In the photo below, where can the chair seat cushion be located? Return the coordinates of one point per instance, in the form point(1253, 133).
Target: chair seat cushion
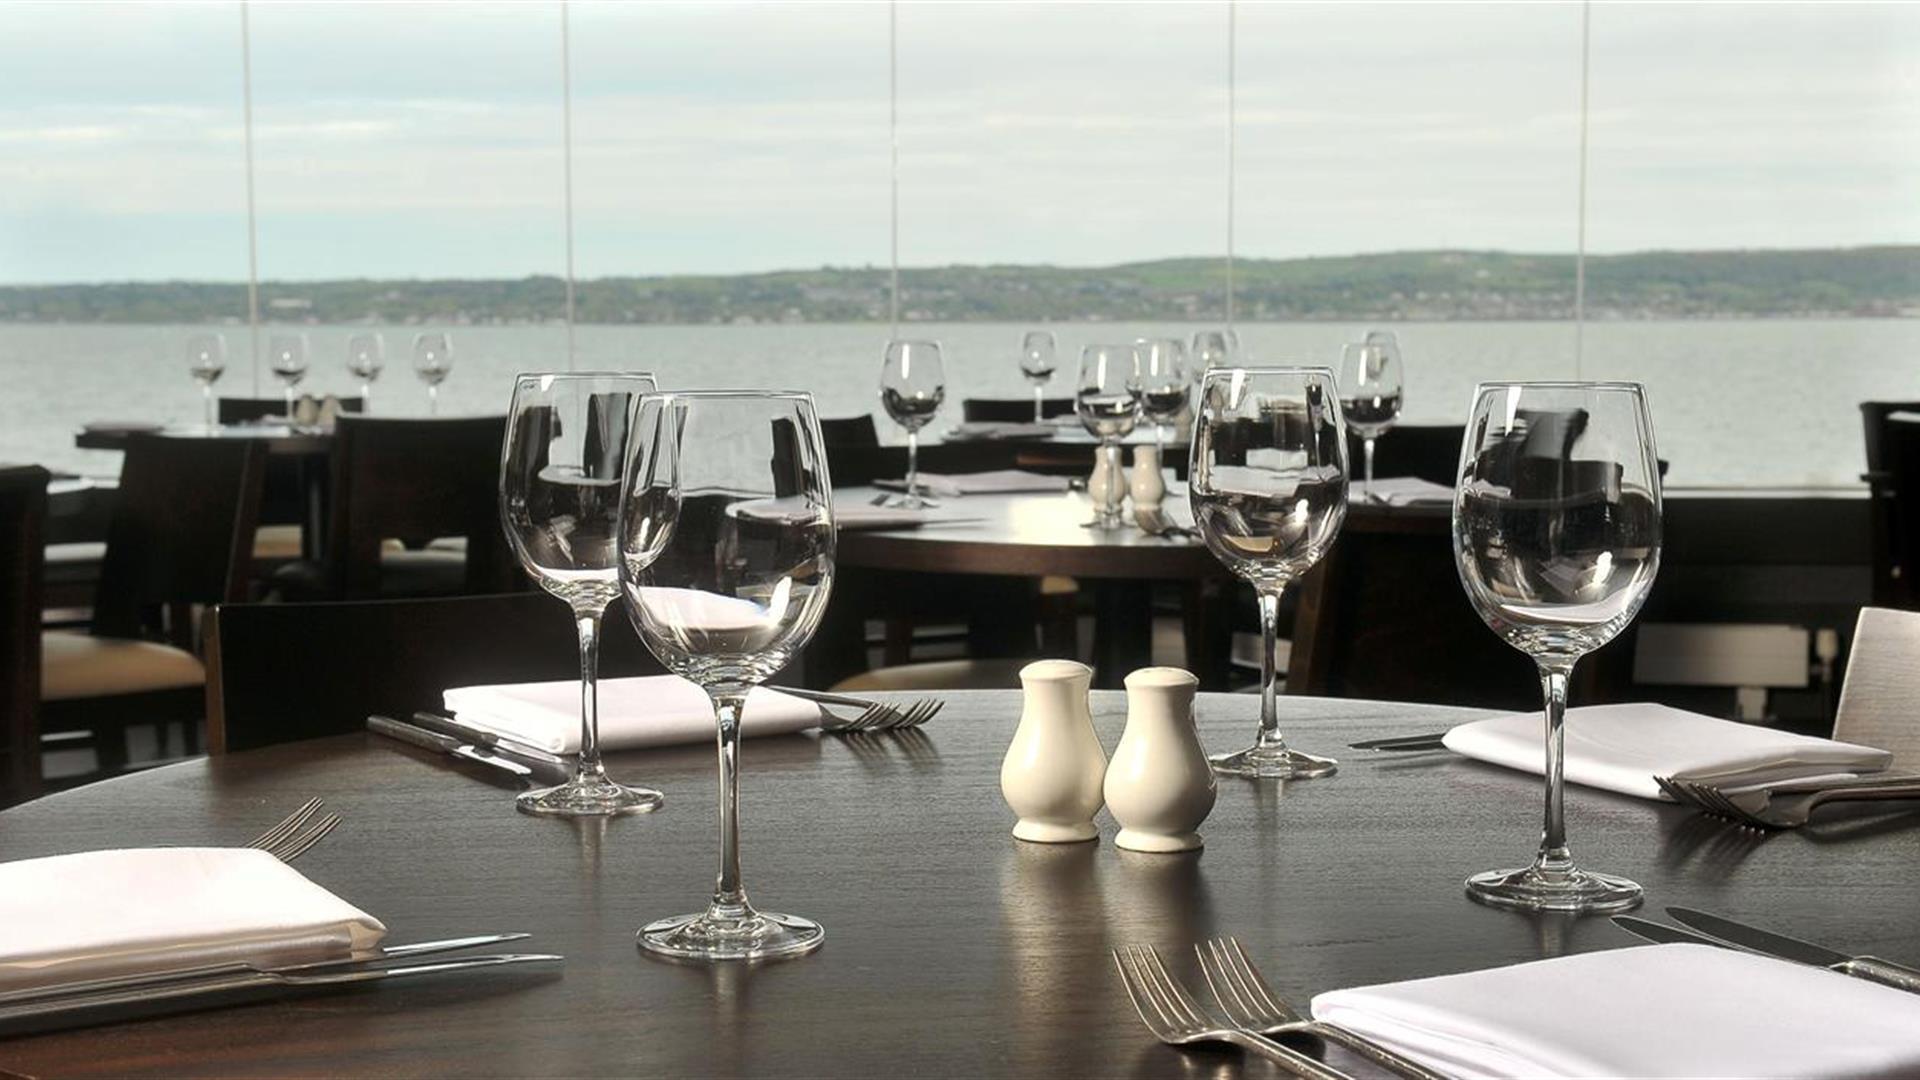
point(938, 675)
point(425, 572)
point(74, 665)
point(273, 543)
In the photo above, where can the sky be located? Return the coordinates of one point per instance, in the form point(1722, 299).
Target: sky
point(424, 140)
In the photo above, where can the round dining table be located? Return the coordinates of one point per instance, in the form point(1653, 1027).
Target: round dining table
point(952, 949)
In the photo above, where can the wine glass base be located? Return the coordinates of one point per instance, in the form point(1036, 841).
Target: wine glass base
point(1571, 891)
point(589, 798)
point(758, 935)
point(1273, 763)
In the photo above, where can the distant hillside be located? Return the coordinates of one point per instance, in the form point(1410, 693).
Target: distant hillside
point(1874, 281)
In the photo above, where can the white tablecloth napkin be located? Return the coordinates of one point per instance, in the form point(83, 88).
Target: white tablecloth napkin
point(992, 482)
point(1623, 747)
point(1406, 491)
point(102, 913)
point(647, 710)
point(1655, 1010)
point(1001, 429)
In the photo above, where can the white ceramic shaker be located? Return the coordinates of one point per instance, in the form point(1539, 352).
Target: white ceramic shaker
point(1159, 785)
point(1107, 485)
point(1149, 488)
point(1052, 773)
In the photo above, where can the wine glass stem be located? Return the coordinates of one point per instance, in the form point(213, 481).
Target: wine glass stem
point(206, 403)
point(1269, 736)
point(729, 896)
point(913, 464)
point(1554, 855)
point(589, 768)
point(1039, 397)
point(366, 398)
point(1367, 452)
point(433, 400)
point(289, 402)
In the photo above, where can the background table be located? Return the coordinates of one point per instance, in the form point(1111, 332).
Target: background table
point(952, 949)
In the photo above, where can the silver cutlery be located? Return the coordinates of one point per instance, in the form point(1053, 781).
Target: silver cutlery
point(297, 832)
point(505, 745)
point(874, 715)
point(516, 762)
point(1249, 1001)
point(1662, 934)
point(1766, 942)
point(1175, 1018)
point(1432, 741)
point(1786, 805)
point(1154, 522)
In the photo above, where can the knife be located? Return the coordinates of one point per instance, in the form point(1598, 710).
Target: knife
point(487, 740)
point(1403, 742)
point(1768, 943)
point(447, 744)
point(1662, 934)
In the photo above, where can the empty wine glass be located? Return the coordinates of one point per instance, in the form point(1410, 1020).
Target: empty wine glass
point(1370, 394)
point(1036, 363)
point(1108, 409)
point(206, 360)
point(433, 362)
point(1268, 487)
point(1209, 350)
point(1160, 384)
point(366, 357)
point(561, 473)
point(913, 383)
point(287, 355)
point(1556, 531)
point(727, 543)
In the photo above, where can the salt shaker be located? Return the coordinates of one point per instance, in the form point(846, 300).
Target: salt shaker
point(1107, 486)
point(1052, 773)
point(1160, 786)
point(1148, 488)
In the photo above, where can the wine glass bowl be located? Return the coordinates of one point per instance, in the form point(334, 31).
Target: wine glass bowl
point(1209, 350)
point(1556, 533)
point(287, 357)
point(366, 358)
point(1108, 408)
point(1037, 351)
point(206, 362)
point(1267, 483)
point(1160, 384)
point(432, 363)
point(1371, 393)
point(913, 384)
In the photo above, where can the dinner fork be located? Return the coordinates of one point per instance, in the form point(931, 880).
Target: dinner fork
point(874, 715)
point(1175, 1018)
point(1785, 807)
point(291, 838)
point(1249, 1001)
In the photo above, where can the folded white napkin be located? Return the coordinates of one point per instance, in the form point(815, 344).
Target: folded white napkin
point(858, 518)
point(1623, 747)
point(1407, 491)
point(1000, 429)
point(1654, 1010)
point(993, 482)
point(648, 710)
point(104, 913)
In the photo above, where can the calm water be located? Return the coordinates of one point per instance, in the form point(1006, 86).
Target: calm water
point(1751, 403)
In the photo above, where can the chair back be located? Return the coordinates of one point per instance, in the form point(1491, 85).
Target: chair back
point(1011, 410)
point(23, 516)
point(1892, 585)
point(417, 480)
point(281, 672)
point(853, 466)
point(1880, 699)
point(181, 531)
point(850, 431)
point(1428, 451)
point(236, 410)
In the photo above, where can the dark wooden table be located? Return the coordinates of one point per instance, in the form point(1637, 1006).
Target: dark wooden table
point(952, 949)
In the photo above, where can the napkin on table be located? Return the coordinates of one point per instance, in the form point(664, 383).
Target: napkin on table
point(999, 429)
point(1623, 747)
point(105, 913)
point(646, 710)
point(1407, 491)
point(1648, 1011)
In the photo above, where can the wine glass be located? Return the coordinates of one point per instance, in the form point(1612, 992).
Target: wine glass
point(287, 354)
point(1108, 409)
point(1370, 394)
point(1209, 350)
point(1556, 531)
point(206, 361)
point(1160, 384)
point(366, 357)
point(433, 362)
point(1036, 363)
point(913, 383)
point(561, 469)
point(1268, 486)
point(726, 561)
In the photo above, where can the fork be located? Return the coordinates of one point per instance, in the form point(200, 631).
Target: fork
point(291, 838)
point(1175, 1018)
point(1249, 1001)
point(874, 715)
point(1154, 522)
point(1784, 807)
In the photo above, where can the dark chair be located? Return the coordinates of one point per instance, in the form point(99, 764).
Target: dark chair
point(850, 431)
point(276, 670)
point(854, 465)
point(1896, 521)
point(293, 486)
point(180, 536)
point(1430, 452)
point(1892, 578)
point(1011, 410)
point(234, 410)
point(416, 481)
point(23, 519)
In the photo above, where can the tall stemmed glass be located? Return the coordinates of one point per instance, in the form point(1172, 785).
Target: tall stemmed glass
point(1160, 383)
point(1108, 409)
point(206, 360)
point(433, 362)
point(561, 473)
point(366, 357)
point(727, 544)
point(1209, 350)
point(1036, 363)
point(287, 355)
point(913, 383)
point(1268, 486)
point(1370, 394)
point(1556, 531)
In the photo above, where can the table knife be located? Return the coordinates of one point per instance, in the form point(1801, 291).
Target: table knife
point(532, 771)
point(1432, 741)
point(1768, 943)
point(1662, 934)
point(488, 740)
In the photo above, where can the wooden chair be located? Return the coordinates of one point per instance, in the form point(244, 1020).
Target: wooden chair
point(281, 672)
point(1012, 410)
point(236, 410)
point(1880, 700)
point(290, 484)
point(23, 514)
point(1430, 452)
point(850, 431)
point(1892, 575)
point(180, 536)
